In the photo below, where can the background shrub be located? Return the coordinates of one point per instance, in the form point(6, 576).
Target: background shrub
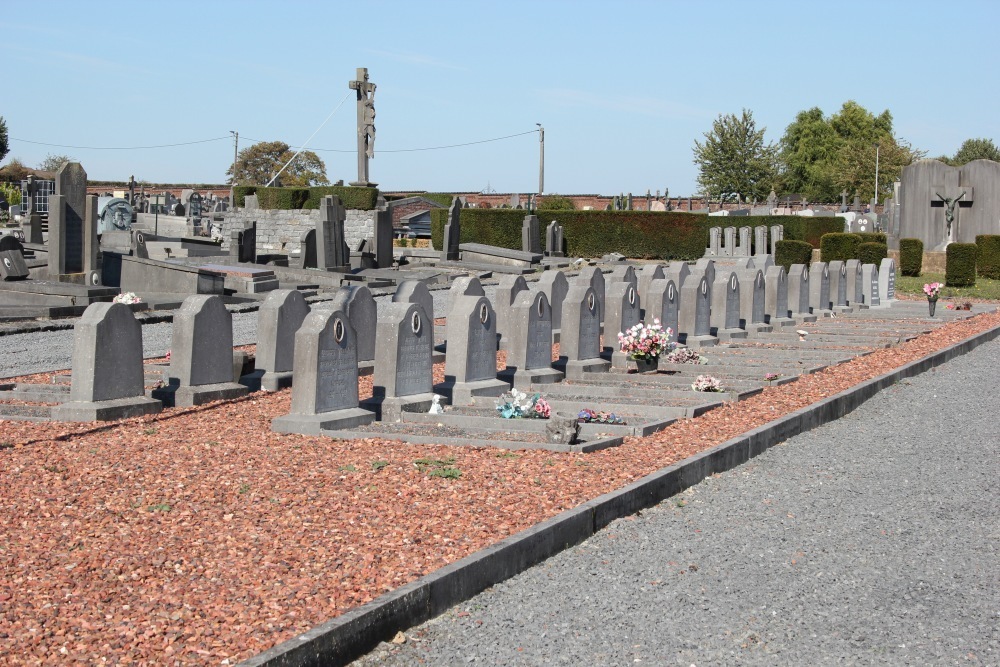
point(872, 237)
point(988, 256)
point(287, 199)
point(838, 246)
point(911, 256)
point(792, 252)
point(872, 253)
point(960, 265)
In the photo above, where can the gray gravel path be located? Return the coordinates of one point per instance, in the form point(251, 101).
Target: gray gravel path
point(872, 540)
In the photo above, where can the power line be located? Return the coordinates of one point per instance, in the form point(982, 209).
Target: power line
point(118, 148)
point(429, 148)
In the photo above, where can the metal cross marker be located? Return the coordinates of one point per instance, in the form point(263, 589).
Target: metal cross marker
point(366, 125)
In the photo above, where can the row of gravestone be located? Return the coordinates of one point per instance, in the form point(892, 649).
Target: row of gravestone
point(530, 235)
point(722, 241)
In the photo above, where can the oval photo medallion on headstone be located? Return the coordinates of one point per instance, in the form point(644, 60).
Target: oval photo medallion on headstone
point(591, 301)
point(415, 323)
point(704, 287)
point(631, 296)
point(6, 262)
point(732, 283)
point(338, 330)
point(139, 239)
point(95, 278)
point(670, 291)
point(541, 308)
point(484, 314)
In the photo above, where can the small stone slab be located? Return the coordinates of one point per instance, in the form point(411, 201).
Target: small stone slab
point(480, 252)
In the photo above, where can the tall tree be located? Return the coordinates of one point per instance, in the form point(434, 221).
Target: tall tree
point(806, 153)
point(53, 162)
point(257, 164)
point(976, 149)
point(4, 139)
point(734, 160)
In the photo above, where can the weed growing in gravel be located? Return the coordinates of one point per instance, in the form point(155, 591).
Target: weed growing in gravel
point(159, 507)
point(446, 472)
point(348, 468)
point(150, 431)
point(244, 488)
point(378, 465)
point(508, 455)
point(438, 467)
point(6, 445)
point(679, 502)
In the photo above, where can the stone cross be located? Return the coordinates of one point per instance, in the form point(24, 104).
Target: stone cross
point(366, 125)
point(843, 200)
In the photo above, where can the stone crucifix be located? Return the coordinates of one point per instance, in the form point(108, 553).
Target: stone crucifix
point(366, 125)
point(950, 198)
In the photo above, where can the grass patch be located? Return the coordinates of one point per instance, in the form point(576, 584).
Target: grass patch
point(160, 507)
point(348, 468)
point(378, 465)
point(438, 467)
point(446, 472)
point(983, 289)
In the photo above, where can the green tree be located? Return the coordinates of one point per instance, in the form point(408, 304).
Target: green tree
point(257, 164)
point(557, 203)
point(734, 160)
point(806, 154)
point(14, 171)
point(975, 149)
point(4, 139)
point(53, 162)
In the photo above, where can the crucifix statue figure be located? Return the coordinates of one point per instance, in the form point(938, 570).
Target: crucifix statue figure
point(366, 124)
point(949, 208)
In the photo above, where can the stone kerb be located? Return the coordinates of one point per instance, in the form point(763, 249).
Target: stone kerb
point(663, 304)
point(107, 380)
point(529, 348)
point(201, 362)
point(359, 305)
point(725, 310)
point(580, 337)
point(555, 285)
point(855, 292)
point(838, 287)
point(509, 287)
point(694, 319)
point(594, 277)
point(470, 367)
point(325, 393)
point(869, 286)
point(416, 291)
point(280, 316)
point(403, 362)
point(776, 310)
point(752, 317)
point(820, 303)
point(623, 312)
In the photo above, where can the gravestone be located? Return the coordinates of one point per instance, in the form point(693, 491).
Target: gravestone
point(107, 381)
point(729, 242)
point(332, 253)
point(91, 246)
point(855, 289)
point(12, 265)
point(752, 301)
point(67, 211)
point(744, 249)
point(555, 285)
point(714, 242)
point(529, 347)
point(724, 319)
point(452, 233)
point(506, 292)
point(623, 273)
point(694, 318)
point(357, 302)
point(798, 293)
point(647, 274)
point(325, 364)
point(820, 302)
point(838, 287)
point(530, 241)
point(678, 272)
point(138, 243)
point(763, 262)
point(623, 312)
point(592, 276)
point(777, 234)
point(243, 245)
point(383, 239)
point(869, 286)
point(704, 267)
point(308, 248)
point(663, 304)
point(887, 281)
point(201, 360)
point(464, 286)
point(580, 336)
point(403, 362)
point(416, 291)
point(279, 317)
point(776, 311)
point(760, 241)
point(470, 367)
point(554, 239)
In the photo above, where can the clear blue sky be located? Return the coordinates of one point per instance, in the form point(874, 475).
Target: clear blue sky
point(623, 89)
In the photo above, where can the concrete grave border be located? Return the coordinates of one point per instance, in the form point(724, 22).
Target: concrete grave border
point(347, 637)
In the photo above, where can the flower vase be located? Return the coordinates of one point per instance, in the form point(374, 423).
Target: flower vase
point(647, 364)
point(931, 305)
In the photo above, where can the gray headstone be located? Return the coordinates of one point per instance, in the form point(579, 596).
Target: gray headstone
point(452, 232)
point(869, 285)
point(530, 240)
point(202, 342)
point(91, 248)
point(279, 317)
point(592, 276)
point(507, 290)
point(107, 354)
point(623, 312)
point(403, 351)
point(678, 272)
point(760, 240)
point(580, 337)
point(696, 304)
point(529, 344)
point(555, 285)
point(743, 249)
point(464, 286)
point(714, 242)
point(357, 302)
point(887, 281)
point(725, 311)
point(308, 248)
point(729, 242)
point(704, 267)
point(331, 244)
point(383, 239)
point(472, 340)
point(71, 185)
point(138, 242)
point(855, 286)
point(777, 234)
point(624, 273)
point(775, 293)
point(647, 274)
point(415, 291)
point(325, 364)
point(751, 297)
point(819, 287)
point(663, 304)
point(554, 239)
point(838, 283)
point(12, 265)
point(798, 290)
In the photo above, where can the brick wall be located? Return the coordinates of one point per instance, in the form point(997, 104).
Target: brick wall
point(281, 231)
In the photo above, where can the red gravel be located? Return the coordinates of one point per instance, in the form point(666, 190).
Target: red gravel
point(198, 536)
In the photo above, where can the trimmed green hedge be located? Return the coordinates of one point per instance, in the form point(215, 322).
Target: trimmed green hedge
point(911, 257)
point(287, 199)
point(788, 252)
point(838, 246)
point(872, 253)
point(988, 256)
point(960, 265)
point(872, 237)
point(638, 234)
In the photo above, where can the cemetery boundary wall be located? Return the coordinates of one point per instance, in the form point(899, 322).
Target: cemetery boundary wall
point(281, 231)
point(347, 637)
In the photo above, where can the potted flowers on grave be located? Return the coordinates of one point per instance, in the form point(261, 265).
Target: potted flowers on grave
point(644, 343)
point(684, 355)
point(933, 291)
point(588, 416)
point(516, 404)
point(127, 298)
point(706, 383)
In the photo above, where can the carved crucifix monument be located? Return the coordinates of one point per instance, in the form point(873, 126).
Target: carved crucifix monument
point(366, 125)
point(951, 198)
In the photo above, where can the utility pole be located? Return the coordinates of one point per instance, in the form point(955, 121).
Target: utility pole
point(236, 152)
point(877, 146)
point(541, 159)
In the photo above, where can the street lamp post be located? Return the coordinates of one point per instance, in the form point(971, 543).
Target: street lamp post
point(541, 158)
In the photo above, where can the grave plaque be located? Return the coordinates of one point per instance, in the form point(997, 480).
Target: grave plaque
point(472, 340)
point(714, 242)
point(555, 285)
point(743, 249)
point(308, 248)
point(464, 286)
point(452, 232)
point(729, 242)
point(592, 276)
point(357, 303)
point(725, 311)
point(581, 333)
point(383, 239)
point(647, 274)
point(838, 284)
point(887, 281)
point(89, 254)
point(202, 342)
point(623, 312)
point(869, 285)
point(12, 265)
point(71, 185)
point(403, 365)
point(326, 364)
point(751, 297)
point(623, 274)
point(678, 272)
point(777, 234)
point(695, 309)
point(554, 239)
point(663, 304)
point(704, 267)
point(531, 336)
